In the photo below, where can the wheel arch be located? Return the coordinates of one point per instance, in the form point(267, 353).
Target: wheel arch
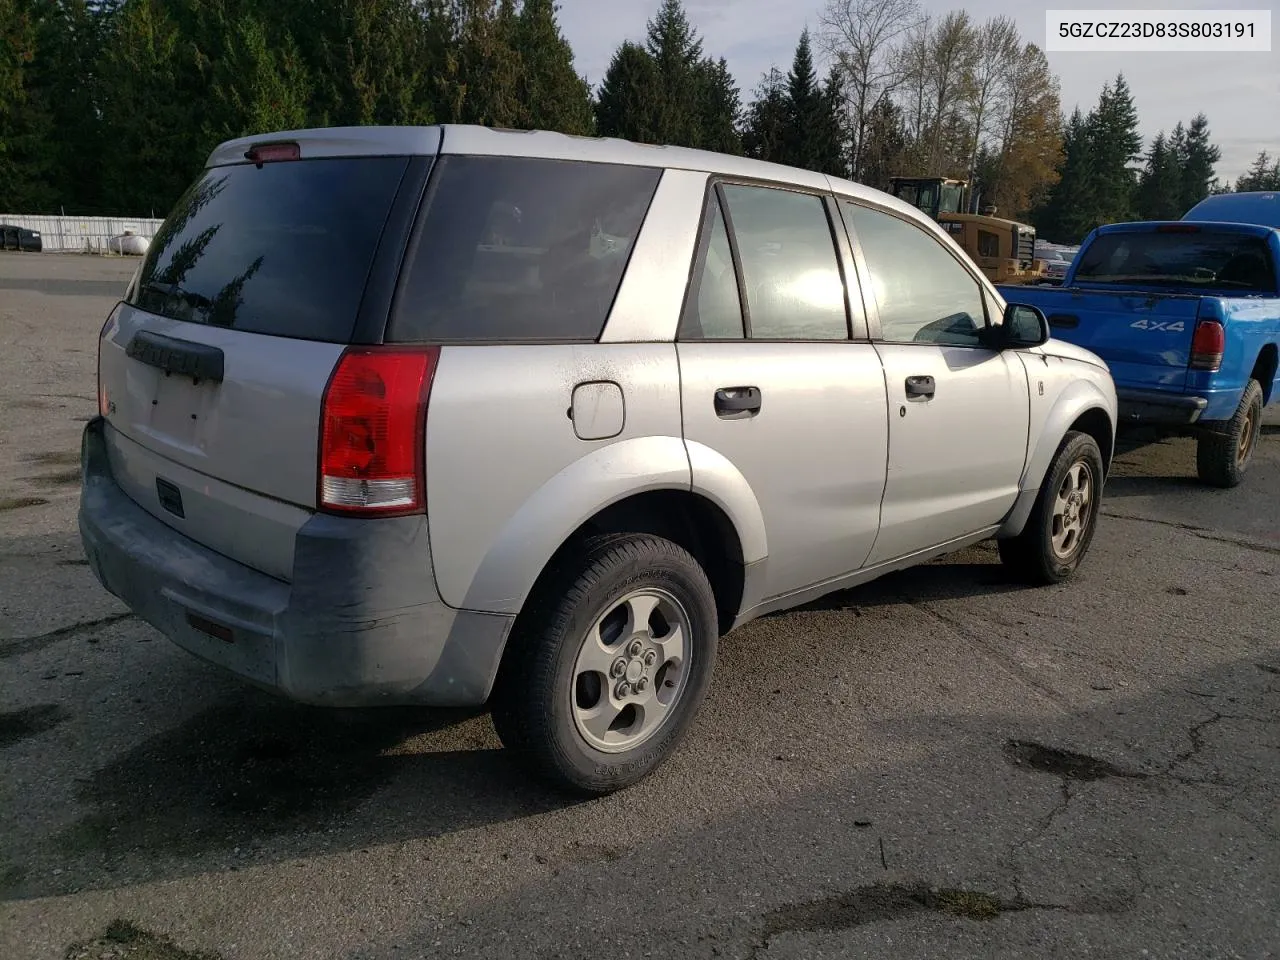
point(1264, 370)
point(641, 485)
point(1082, 406)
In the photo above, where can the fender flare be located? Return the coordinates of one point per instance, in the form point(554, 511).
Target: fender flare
point(601, 478)
point(1077, 398)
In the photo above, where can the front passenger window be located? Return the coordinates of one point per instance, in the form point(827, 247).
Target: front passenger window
point(924, 294)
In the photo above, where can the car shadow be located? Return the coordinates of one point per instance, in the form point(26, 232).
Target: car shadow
point(976, 572)
point(255, 779)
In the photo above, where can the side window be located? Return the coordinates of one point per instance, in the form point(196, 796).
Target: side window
point(713, 310)
point(924, 295)
point(789, 266)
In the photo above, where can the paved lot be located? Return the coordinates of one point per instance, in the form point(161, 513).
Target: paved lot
point(936, 765)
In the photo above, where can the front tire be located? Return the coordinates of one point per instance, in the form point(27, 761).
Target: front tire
point(1058, 533)
point(609, 664)
point(1223, 455)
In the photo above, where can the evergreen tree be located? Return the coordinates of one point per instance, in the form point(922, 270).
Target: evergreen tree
point(1068, 210)
point(720, 108)
point(257, 83)
point(28, 152)
point(152, 144)
point(65, 72)
point(483, 66)
point(550, 95)
point(1198, 163)
point(805, 130)
point(1262, 175)
point(1160, 184)
point(764, 131)
point(885, 145)
point(624, 106)
point(1115, 146)
point(676, 51)
point(833, 136)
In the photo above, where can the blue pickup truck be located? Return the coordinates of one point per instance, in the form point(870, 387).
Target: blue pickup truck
point(1187, 316)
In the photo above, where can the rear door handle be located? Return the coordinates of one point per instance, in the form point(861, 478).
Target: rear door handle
point(920, 388)
point(734, 402)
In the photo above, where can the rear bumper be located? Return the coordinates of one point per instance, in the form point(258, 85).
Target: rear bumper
point(361, 624)
point(1153, 407)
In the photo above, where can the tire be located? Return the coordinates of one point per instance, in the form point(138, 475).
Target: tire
point(1052, 545)
point(1223, 453)
point(550, 707)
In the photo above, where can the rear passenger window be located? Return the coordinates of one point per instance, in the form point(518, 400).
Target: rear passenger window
point(521, 249)
point(924, 295)
point(789, 266)
point(714, 309)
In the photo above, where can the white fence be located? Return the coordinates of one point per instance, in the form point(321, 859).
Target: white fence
point(82, 234)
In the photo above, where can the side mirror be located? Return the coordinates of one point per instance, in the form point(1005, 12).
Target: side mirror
point(1023, 326)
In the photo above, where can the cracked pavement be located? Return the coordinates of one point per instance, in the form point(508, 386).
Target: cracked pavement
point(940, 764)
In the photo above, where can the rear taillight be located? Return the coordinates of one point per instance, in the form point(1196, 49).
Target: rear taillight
point(1207, 346)
point(372, 431)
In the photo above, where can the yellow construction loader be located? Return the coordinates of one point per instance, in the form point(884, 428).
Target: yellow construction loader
point(1003, 249)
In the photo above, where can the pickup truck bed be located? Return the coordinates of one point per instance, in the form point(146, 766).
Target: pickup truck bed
point(1187, 316)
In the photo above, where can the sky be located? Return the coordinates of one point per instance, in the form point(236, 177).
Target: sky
point(1238, 92)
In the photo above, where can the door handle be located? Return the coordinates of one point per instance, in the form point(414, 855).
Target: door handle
point(920, 388)
point(733, 402)
point(1068, 321)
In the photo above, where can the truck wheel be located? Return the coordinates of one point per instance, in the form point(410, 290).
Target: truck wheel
point(1223, 452)
point(609, 663)
point(1061, 525)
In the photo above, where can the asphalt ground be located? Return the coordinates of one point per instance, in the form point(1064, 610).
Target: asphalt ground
point(939, 764)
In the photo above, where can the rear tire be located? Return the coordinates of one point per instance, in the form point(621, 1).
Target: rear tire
point(1058, 533)
point(1223, 454)
point(609, 663)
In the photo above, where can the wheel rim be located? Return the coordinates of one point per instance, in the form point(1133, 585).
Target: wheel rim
point(1072, 510)
point(631, 670)
point(1249, 431)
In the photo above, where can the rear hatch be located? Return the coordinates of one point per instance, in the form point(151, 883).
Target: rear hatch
point(1137, 295)
point(213, 370)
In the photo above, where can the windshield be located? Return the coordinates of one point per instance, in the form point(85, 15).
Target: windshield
point(1229, 262)
point(951, 195)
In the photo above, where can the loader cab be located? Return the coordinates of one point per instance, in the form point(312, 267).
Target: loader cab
point(933, 196)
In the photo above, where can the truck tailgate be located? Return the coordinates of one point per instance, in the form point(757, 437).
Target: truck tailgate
point(1145, 338)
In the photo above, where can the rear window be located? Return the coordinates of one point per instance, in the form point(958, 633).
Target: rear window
point(1226, 262)
point(284, 249)
point(521, 249)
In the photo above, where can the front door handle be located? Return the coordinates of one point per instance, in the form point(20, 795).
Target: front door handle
point(733, 403)
point(920, 388)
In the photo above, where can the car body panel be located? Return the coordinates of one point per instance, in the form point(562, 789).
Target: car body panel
point(814, 456)
point(955, 460)
point(507, 472)
point(1256, 206)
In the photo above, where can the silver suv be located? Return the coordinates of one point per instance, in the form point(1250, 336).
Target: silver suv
point(451, 415)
